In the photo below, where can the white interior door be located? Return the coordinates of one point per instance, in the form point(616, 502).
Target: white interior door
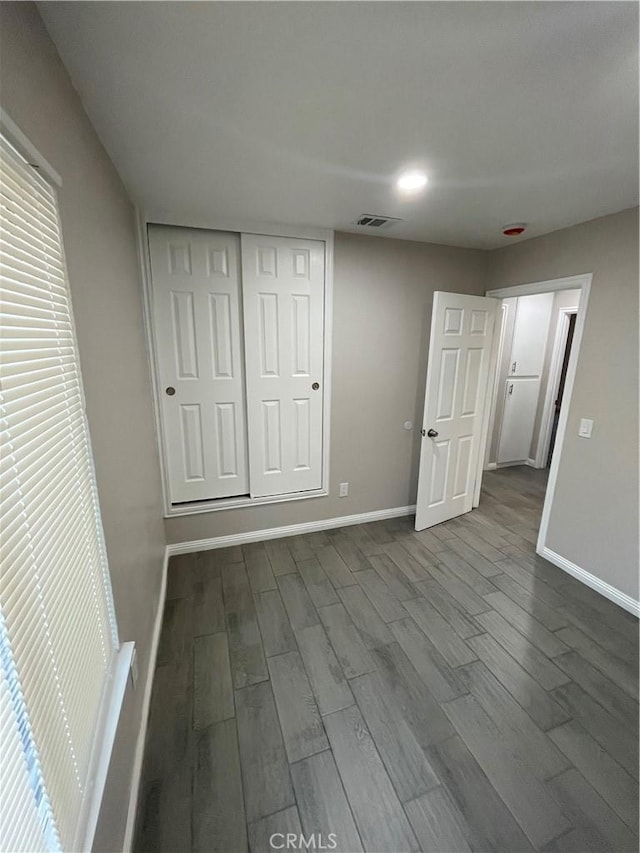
point(196, 306)
point(283, 292)
point(518, 419)
point(455, 399)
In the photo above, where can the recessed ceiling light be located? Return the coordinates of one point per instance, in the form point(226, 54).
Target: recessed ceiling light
point(411, 182)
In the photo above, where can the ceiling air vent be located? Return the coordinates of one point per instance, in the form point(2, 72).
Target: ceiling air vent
point(372, 220)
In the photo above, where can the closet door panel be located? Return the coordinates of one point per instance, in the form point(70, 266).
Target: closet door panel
point(530, 334)
point(521, 401)
point(198, 338)
point(283, 297)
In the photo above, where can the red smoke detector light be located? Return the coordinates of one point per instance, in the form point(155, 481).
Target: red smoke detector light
point(514, 230)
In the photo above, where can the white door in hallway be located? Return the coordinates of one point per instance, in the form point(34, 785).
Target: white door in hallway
point(521, 401)
point(196, 306)
point(455, 400)
point(283, 290)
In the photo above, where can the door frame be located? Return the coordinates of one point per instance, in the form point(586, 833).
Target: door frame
point(557, 357)
point(143, 218)
point(500, 331)
point(575, 282)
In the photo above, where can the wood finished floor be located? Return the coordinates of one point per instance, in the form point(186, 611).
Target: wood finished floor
point(442, 691)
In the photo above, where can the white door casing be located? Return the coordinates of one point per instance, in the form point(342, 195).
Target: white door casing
point(197, 321)
point(456, 395)
point(283, 293)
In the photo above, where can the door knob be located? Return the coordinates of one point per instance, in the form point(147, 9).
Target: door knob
point(170, 391)
point(315, 386)
point(432, 433)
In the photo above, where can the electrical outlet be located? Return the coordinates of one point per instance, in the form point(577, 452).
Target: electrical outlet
point(344, 490)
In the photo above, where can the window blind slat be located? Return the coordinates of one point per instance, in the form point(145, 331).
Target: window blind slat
point(25, 252)
point(24, 370)
point(20, 278)
point(52, 439)
point(25, 195)
point(26, 823)
point(40, 280)
point(29, 225)
point(30, 186)
point(13, 387)
point(59, 632)
point(33, 209)
point(41, 405)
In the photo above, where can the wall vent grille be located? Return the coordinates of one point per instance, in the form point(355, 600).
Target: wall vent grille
point(373, 220)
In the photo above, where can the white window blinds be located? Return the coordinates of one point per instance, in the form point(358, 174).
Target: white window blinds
point(59, 639)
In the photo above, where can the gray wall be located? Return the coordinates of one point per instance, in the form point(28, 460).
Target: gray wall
point(595, 511)
point(383, 291)
point(99, 237)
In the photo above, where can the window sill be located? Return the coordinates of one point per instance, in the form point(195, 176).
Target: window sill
point(103, 746)
point(220, 504)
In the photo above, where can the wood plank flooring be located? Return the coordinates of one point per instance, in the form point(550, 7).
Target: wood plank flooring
point(442, 691)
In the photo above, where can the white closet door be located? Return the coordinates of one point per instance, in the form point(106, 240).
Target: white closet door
point(283, 294)
point(196, 306)
point(521, 402)
point(533, 314)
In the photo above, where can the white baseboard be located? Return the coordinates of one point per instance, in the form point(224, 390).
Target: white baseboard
point(289, 530)
point(492, 466)
point(146, 703)
point(596, 583)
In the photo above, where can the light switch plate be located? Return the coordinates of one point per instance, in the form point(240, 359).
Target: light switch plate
point(344, 490)
point(586, 428)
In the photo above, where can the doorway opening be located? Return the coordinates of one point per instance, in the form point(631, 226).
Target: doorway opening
point(536, 337)
point(497, 402)
point(536, 352)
